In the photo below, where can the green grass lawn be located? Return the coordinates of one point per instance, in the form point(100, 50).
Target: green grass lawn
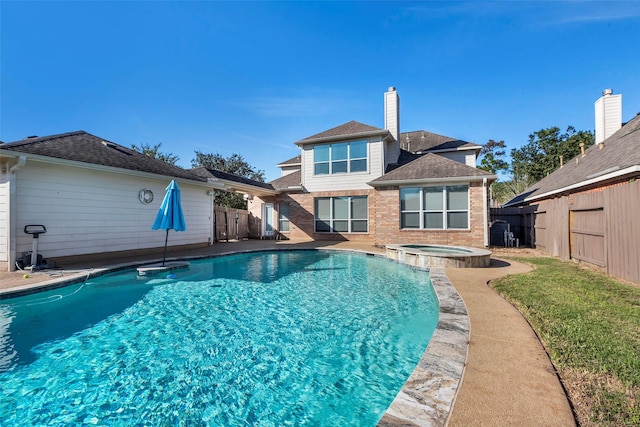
point(590, 326)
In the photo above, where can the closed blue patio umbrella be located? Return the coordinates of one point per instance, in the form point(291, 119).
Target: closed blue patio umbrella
point(170, 216)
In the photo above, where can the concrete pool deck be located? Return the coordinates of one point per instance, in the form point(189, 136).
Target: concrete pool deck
point(508, 378)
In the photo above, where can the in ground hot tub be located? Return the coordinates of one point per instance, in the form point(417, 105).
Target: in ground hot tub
point(429, 256)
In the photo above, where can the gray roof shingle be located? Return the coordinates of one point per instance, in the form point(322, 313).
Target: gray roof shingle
point(205, 173)
point(431, 166)
point(347, 129)
point(620, 151)
point(83, 147)
point(287, 181)
point(420, 141)
point(292, 161)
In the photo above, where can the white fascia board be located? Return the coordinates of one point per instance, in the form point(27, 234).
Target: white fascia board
point(347, 137)
point(443, 180)
point(91, 166)
point(617, 174)
point(288, 165)
point(239, 187)
point(450, 150)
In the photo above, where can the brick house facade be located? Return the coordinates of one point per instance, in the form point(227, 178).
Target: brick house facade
point(419, 187)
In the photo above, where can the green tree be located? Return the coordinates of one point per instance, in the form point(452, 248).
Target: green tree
point(154, 152)
point(236, 165)
point(542, 154)
point(492, 154)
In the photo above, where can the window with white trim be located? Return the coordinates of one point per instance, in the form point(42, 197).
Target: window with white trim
point(341, 214)
point(283, 217)
point(343, 157)
point(439, 207)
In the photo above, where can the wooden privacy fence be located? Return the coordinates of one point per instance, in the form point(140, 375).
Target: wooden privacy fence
point(235, 224)
point(599, 226)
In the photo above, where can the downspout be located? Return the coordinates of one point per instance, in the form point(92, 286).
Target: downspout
point(485, 211)
point(11, 222)
point(21, 162)
point(212, 218)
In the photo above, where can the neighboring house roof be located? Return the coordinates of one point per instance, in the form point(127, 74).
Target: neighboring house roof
point(420, 141)
point(348, 130)
point(294, 161)
point(618, 158)
point(234, 182)
point(83, 147)
point(431, 168)
point(288, 182)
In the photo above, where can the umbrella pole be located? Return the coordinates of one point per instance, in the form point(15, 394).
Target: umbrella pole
point(164, 255)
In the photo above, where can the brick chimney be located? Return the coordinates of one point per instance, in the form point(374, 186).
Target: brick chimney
point(608, 115)
point(392, 112)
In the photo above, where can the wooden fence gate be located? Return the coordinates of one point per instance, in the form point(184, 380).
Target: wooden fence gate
point(231, 224)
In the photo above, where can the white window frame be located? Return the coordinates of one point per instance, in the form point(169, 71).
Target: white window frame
point(349, 159)
point(331, 220)
point(284, 219)
point(444, 211)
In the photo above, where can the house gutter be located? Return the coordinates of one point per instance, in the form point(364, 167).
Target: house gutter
point(351, 136)
point(443, 180)
point(103, 168)
point(449, 150)
point(485, 210)
point(22, 160)
point(238, 187)
point(617, 174)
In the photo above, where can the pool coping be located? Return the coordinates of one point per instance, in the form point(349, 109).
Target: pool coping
point(428, 395)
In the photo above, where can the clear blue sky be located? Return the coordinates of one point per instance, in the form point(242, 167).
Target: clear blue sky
point(253, 77)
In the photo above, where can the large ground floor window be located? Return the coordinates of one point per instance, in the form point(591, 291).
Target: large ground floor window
point(341, 214)
point(440, 207)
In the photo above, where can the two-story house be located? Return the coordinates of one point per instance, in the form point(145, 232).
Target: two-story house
point(360, 182)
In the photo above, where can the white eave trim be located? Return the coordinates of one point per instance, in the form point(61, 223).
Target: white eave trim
point(445, 179)
point(619, 173)
point(346, 137)
point(103, 168)
point(238, 187)
point(450, 150)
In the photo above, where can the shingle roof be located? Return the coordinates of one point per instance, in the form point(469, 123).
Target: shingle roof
point(83, 147)
point(420, 141)
point(621, 151)
point(292, 161)
point(347, 129)
point(431, 166)
point(285, 182)
point(204, 172)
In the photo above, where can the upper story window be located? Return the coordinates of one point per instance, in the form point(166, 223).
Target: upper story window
point(442, 207)
point(343, 157)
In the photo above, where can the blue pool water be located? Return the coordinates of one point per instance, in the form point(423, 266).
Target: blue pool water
point(270, 338)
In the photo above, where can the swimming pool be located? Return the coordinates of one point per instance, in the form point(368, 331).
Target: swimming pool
point(292, 337)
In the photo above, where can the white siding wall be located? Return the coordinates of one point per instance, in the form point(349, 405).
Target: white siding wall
point(286, 170)
point(87, 211)
point(338, 182)
point(466, 157)
point(4, 220)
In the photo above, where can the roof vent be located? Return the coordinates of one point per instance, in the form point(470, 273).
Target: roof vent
point(117, 147)
point(31, 137)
